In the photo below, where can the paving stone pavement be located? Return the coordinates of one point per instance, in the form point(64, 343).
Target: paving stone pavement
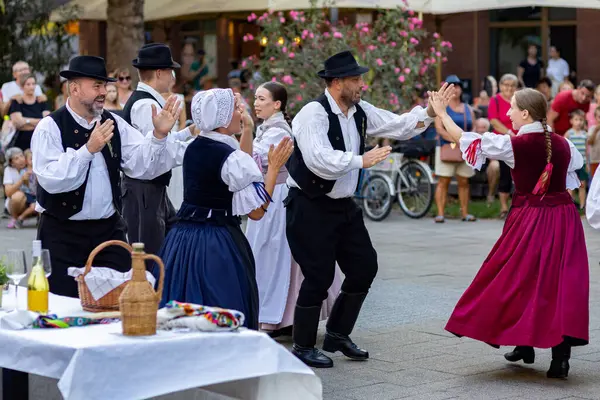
point(423, 270)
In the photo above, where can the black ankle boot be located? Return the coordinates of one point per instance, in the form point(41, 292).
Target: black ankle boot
point(287, 331)
point(335, 342)
point(559, 367)
point(306, 323)
point(525, 353)
point(340, 324)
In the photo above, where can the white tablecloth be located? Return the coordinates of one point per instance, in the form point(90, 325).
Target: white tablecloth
point(98, 362)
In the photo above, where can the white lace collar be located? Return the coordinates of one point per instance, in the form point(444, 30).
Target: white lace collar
point(219, 137)
point(533, 127)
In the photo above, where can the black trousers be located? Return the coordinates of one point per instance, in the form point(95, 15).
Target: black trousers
point(322, 231)
point(148, 213)
point(71, 242)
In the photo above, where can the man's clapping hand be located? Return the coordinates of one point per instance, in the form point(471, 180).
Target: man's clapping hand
point(375, 156)
point(101, 135)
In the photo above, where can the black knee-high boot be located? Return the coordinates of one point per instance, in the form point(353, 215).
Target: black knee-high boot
point(559, 367)
point(340, 324)
point(306, 324)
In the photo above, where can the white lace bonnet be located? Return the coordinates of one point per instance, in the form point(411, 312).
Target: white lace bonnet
point(212, 109)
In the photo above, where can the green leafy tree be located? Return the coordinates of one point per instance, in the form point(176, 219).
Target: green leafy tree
point(401, 54)
point(26, 33)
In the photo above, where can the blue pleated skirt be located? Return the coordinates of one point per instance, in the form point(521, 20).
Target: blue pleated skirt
point(211, 264)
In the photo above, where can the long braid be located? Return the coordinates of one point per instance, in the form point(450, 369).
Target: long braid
point(548, 136)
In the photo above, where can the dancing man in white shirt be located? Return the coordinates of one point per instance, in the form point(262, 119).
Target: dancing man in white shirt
point(147, 210)
point(324, 225)
point(78, 153)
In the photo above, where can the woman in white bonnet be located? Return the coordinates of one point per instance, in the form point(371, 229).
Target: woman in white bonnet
point(207, 257)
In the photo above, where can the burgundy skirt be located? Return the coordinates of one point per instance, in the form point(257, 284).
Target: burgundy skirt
point(533, 288)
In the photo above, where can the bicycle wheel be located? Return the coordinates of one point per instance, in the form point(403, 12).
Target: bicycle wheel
point(376, 198)
point(415, 191)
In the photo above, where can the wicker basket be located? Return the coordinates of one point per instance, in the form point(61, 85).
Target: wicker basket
point(108, 302)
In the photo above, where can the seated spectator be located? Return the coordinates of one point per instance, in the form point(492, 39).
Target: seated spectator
point(20, 200)
point(27, 114)
point(14, 90)
point(544, 86)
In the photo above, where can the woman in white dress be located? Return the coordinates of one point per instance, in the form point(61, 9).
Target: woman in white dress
point(278, 276)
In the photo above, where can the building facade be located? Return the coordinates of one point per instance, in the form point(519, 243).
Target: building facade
point(484, 43)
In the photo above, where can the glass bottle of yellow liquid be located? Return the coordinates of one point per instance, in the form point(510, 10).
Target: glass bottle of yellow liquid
point(37, 285)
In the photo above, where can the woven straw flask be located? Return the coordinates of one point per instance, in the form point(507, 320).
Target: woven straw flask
point(139, 302)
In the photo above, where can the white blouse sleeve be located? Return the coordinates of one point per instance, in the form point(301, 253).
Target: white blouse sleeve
point(575, 164)
point(477, 148)
point(592, 205)
point(260, 149)
point(241, 174)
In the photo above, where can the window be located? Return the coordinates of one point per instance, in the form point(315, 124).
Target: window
point(516, 14)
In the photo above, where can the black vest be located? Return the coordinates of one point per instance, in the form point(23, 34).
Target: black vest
point(202, 182)
point(312, 185)
point(165, 178)
point(64, 205)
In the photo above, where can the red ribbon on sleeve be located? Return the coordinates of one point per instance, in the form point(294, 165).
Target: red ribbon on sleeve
point(471, 153)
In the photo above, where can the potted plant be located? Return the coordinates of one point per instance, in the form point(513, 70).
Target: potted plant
point(3, 278)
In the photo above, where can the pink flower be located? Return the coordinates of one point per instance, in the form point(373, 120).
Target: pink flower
point(433, 60)
point(357, 26)
point(438, 54)
point(427, 61)
point(251, 17)
point(411, 27)
point(284, 49)
point(273, 79)
point(302, 19)
point(298, 97)
point(282, 20)
point(404, 33)
point(245, 38)
point(393, 44)
point(371, 47)
point(407, 70)
point(292, 105)
point(251, 86)
point(423, 70)
point(250, 37)
point(272, 59)
point(304, 33)
point(401, 78)
point(414, 41)
point(365, 88)
point(291, 55)
point(445, 59)
point(287, 80)
point(365, 29)
point(436, 35)
point(311, 35)
point(379, 62)
point(244, 63)
point(411, 12)
point(446, 44)
point(326, 34)
point(337, 35)
point(303, 85)
point(396, 70)
point(432, 49)
point(280, 14)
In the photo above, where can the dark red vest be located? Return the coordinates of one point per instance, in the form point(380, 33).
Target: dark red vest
point(530, 160)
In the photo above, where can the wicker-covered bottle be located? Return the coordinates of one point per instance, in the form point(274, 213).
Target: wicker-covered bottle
point(139, 302)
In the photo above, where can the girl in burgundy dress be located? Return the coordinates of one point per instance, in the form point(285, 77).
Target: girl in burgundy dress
point(533, 288)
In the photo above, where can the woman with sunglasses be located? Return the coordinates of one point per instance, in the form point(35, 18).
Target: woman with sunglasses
point(123, 85)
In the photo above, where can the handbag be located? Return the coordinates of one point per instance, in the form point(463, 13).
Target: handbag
point(450, 152)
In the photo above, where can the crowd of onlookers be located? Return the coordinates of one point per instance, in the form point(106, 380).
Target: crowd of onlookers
point(573, 113)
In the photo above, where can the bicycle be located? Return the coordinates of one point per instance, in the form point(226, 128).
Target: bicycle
point(413, 183)
point(374, 194)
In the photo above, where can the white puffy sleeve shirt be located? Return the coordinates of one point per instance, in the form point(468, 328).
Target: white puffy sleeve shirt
point(242, 176)
point(499, 147)
point(311, 125)
point(592, 205)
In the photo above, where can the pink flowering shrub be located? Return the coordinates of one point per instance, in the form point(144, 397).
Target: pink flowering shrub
point(402, 56)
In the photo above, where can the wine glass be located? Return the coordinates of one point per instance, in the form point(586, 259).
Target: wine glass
point(46, 262)
point(16, 269)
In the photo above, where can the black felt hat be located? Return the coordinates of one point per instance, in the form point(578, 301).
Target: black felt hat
point(155, 56)
point(342, 65)
point(87, 67)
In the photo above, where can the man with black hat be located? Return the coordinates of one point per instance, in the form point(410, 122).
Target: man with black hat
point(147, 209)
point(78, 154)
point(324, 225)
